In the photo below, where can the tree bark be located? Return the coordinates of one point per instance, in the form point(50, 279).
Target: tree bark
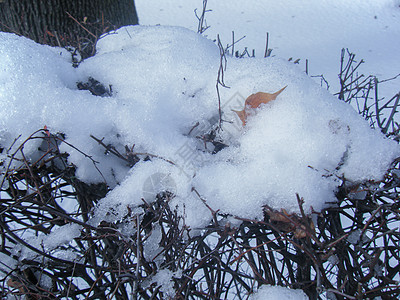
point(65, 22)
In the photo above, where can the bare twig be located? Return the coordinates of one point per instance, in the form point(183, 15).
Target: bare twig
point(202, 26)
point(220, 77)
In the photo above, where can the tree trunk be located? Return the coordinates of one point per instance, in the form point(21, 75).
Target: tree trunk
point(76, 23)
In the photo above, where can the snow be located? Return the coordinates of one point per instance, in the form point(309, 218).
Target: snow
point(163, 81)
point(294, 145)
point(154, 73)
point(50, 242)
point(164, 279)
point(278, 293)
point(152, 247)
point(316, 30)
point(7, 264)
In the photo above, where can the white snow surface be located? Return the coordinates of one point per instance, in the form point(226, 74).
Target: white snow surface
point(315, 30)
point(271, 292)
point(163, 82)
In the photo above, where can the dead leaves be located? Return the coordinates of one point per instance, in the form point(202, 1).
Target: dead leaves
point(301, 226)
point(254, 101)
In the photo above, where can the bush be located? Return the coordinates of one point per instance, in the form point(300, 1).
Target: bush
point(347, 251)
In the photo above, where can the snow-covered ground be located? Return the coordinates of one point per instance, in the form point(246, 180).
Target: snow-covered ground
point(164, 101)
point(316, 30)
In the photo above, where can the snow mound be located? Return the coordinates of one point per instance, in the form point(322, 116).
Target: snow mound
point(277, 293)
point(164, 103)
point(303, 142)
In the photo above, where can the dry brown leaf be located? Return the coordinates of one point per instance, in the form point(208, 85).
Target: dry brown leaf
point(301, 227)
point(300, 232)
point(242, 115)
point(254, 101)
point(17, 285)
point(278, 216)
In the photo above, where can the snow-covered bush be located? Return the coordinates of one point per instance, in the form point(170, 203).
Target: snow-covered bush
point(130, 176)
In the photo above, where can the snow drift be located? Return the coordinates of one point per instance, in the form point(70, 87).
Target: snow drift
point(164, 103)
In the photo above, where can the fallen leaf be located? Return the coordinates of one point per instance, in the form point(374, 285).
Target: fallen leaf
point(302, 227)
point(254, 101)
point(17, 285)
point(242, 115)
